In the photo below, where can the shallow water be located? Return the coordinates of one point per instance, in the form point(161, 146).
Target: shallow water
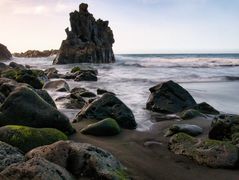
point(206, 77)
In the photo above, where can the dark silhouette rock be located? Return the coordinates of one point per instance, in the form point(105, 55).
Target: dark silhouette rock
point(89, 41)
point(205, 108)
point(169, 97)
point(108, 106)
point(4, 53)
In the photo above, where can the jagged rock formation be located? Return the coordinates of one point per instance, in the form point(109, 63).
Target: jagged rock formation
point(4, 53)
point(36, 53)
point(89, 41)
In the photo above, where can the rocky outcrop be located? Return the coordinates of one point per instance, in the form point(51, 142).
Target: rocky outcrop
point(89, 41)
point(9, 155)
point(36, 53)
point(35, 168)
point(4, 53)
point(169, 97)
point(82, 160)
point(108, 106)
point(27, 138)
point(213, 153)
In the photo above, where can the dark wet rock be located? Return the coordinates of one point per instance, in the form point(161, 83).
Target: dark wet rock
point(205, 108)
point(44, 95)
point(68, 75)
point(52, 73)
point(169, 97)
point(108, 106)
point(189, 129)
point(36, 53)
point(89, 41)
point(35, 78)
point(26, 138)
point(4, 53)
point(103, 91)
point(86, 76)
point(213, 153)
point(17, 66)
point(106, 127)
point(57, 85)
point(25, 107)
point(9, 155)
point(3, 67)
point(83, 69)
point(224, 126)
point(35, 168)
point(81, 92)
point(190, 114)
point(82, 160)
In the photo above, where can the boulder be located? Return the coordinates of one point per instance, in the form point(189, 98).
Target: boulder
point(86, 76)
point(103, 91)
point(25, 107)
point(45, 96)
point(72, 102)
point(224, 126)
point(4, 53)
point(108, 106)
point(82, 160)
point(169, 97)
point(213, 153)
point(9, 155)
point(81, 92)
point(17, 66)
point(89, 41)
point(27, 138)
point(190, 114)
point(52, 73)
point(106, 127)
point(35, 168)
point(189, 129)
point(83, 69)
point(205, 108)
point(57, 85)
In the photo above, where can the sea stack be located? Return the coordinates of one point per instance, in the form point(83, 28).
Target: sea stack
point(88, 41)
point(4, 53)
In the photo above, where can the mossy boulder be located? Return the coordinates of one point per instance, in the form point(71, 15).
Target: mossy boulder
point(9, 155)
point(223, 126)
point(75, 69)
point(213, 153)
point(35, 78)
point(82, 160)
point(192, 130)
point(26, 138)
point(86, 76)
point(35, 169)
point(106, 127)
point(190, 114)
point(25, 107)
point(108, 106)
point(205, 108)
point(168, 98)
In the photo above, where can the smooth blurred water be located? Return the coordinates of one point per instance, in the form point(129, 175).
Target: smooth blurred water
point(207, 77)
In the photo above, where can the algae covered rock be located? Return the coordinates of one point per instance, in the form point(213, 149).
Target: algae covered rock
point(192, 130)
point(82, 160)
point(27, 138)
point(9, 155)
point(106, 127)
point(169, 97)
point(190, 114)
point(223, 126)
point(25, 107)
point(213, 153)
point(35, 168)
point(108, 106)
point(86, 76)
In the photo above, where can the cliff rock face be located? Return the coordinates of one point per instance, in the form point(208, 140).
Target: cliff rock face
point(4, 53)
point(89, 41)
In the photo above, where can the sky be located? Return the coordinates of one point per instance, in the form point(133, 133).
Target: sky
point(139, 26)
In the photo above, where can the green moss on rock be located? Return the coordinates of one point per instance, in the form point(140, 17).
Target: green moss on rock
point(27, 138)
point(190, 114)
point(76, 69)
point(106, 127)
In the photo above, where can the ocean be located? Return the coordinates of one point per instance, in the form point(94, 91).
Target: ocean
point(213, 78)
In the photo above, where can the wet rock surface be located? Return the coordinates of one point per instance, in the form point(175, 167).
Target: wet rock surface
point(4, 53)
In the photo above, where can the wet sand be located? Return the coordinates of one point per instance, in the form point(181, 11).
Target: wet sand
point(147, 157)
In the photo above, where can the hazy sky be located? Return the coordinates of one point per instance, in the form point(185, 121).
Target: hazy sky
point(139, 26)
